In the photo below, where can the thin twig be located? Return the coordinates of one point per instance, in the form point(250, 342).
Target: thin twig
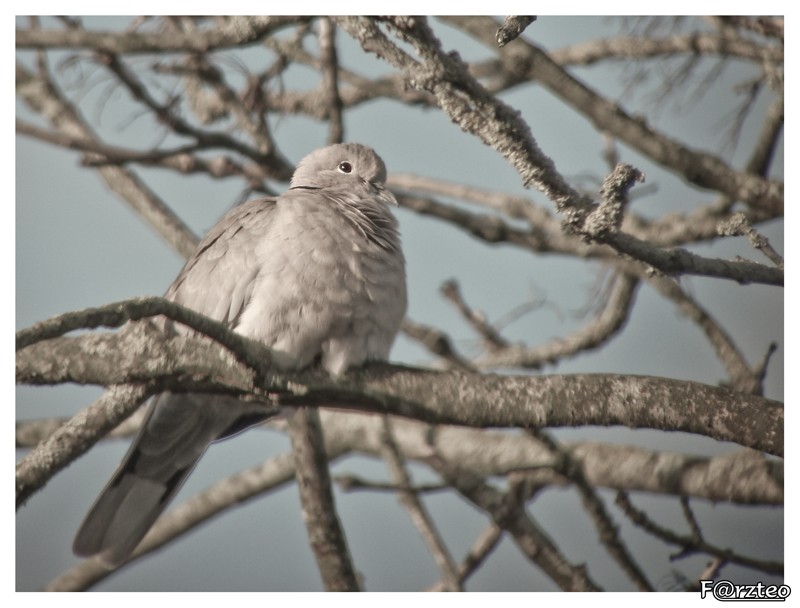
point(354, 483)
point(690, 544)
point(437, 342)
point(598, 331)
point(738, 225)
point(741, 376)
point(480, 551)
point(607, 529)
point(330, 80)
point(702, 169)
point(44, 97)
point(510, 515)
point(417, 511)
point(491, 337)
point(234, 32)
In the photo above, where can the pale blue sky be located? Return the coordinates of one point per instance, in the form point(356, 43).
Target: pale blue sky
point(77, 245)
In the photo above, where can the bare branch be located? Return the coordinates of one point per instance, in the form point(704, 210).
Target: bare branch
point(491, 337)
point(764, 149)
point(437, 397)
point(249, 123)
point(607, 216)
point(41, 95)
point(419, 515)
point(609, 534)
point(478, 553)
point(742, 378)
point(704, 170)
point(690, 543)
point(470, 105)
point(466, 102)
point(512, 28)
point(607, 323)
point(741, 477)
point(437, 342)
point(766, 26)
point(677, 261)
point(76, 437)
point(330, 79)
point(640, 47)
point(672, 229)
point(264, 153)
point(325, 532)
point(738, 225)
point(235, 31)
point(509, 514)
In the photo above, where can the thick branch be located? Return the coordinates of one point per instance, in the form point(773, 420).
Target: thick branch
point(251, 353)
point(325, 532)
point(234, 32)
point(76, 437)
point(741, 477)
point(512, 28)
point(434, 397)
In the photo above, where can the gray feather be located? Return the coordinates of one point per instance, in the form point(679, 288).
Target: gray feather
point(315, 274)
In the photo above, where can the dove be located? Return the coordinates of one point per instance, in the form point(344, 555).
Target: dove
point(317, 274)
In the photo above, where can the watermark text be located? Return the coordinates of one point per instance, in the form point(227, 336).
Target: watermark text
point(726, 591)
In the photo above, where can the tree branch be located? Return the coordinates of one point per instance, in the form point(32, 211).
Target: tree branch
point(234, 32)
point(742, 477)
point(512, 28)
point(43, 97)
point(691, 543)
point(531, 63)
point(330, 80)
point(510, 515)
point(325, 532)
point(213, 501)
point(75, 438)
point(167, 363)
point(419, 515)
point(607, 323)
point(607, 530)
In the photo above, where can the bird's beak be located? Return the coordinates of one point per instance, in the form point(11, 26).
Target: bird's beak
point(384, 194)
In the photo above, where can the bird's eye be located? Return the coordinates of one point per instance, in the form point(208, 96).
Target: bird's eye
point(345, 167)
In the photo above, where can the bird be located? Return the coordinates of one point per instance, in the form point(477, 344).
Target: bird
point(316, 274)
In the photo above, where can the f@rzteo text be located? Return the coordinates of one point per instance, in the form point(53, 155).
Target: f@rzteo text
point(726, 591)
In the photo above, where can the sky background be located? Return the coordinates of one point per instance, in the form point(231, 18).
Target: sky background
point(78, 245)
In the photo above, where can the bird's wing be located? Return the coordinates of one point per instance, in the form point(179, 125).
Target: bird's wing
point(217, 281)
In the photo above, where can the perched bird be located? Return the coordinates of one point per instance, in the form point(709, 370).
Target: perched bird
point(316, 274)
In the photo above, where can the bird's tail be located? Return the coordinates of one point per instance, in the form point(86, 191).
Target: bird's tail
point(175, 433)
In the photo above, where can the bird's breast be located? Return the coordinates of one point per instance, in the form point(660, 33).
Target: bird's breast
point(324, 289)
